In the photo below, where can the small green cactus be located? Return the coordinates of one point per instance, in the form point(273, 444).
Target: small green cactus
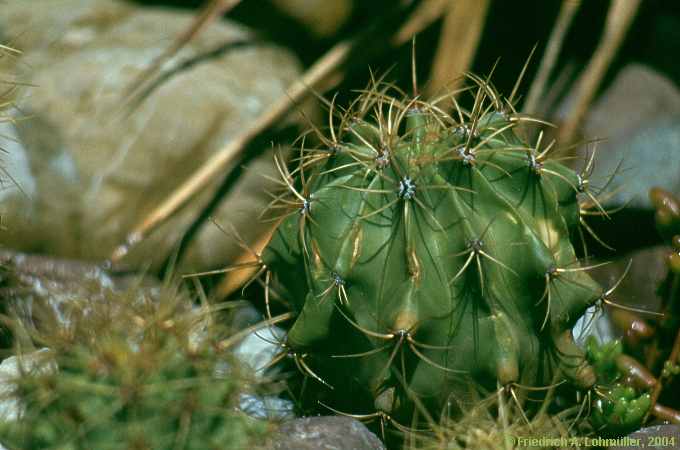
point(670, 370)
point(425, 253)
point(603, 358)
point(131, 374)
point(620, 410)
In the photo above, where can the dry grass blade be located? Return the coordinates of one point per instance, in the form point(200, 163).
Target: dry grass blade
point(237, 337)
point(462, 30)
point(214, 166)
point(233, 281)
point(619, 18)
point(212, 10)
point(552, 51)
point(426, 13)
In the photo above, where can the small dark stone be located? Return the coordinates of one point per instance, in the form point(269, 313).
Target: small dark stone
point(325, 433)
point(658, 437)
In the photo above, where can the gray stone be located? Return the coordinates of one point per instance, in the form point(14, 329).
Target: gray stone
point(594, 322)
point(89, 172)
point(325, 433)
point(55, 288)
point(266, 407)
point(259, 348)
point(256, 351)
point(659, 437)
point(40, 361)
point(648, 157)
point(15, 165)
point(637, 96)
point(638, 117)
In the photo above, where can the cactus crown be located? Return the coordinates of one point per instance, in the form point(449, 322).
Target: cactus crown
point(426, 252)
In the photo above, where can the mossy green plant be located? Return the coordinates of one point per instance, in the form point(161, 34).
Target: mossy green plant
point(134, 371)
point(618, 408)
point(603, 358)
point(425, 252)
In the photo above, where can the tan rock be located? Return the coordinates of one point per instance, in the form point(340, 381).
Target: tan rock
point(97, 171)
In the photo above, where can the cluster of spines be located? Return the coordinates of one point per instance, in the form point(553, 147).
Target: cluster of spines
point(390, 114)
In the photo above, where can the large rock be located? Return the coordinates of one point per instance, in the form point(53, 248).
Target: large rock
point(87, 171)
point(648, 157)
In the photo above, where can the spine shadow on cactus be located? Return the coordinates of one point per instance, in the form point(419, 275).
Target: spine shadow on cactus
point(427, 254)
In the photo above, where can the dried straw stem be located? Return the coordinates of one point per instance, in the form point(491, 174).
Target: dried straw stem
point(216, 164)
point(461, 32)
point(552, 51)
point(619, 18)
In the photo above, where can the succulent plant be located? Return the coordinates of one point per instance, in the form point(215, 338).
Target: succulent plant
point(130, 372)
point(620, 410)
point(426, 253)
point(618, 406)
point(603, 358)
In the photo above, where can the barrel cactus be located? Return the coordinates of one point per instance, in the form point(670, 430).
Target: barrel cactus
point(427, 255)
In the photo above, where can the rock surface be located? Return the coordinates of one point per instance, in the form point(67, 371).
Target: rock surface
point(649, 157)
point(325, 433)
point(637, 95)
point(88, 172)
point(659, 437)
point(638, 288)
point(638, 117)
point(40, 288)
point(40, 361)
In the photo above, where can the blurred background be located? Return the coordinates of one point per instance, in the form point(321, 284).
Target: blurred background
point(511, 29)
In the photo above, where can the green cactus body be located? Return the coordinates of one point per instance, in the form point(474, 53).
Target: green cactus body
point(423, 251)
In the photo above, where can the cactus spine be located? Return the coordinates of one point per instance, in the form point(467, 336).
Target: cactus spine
point(426, 252)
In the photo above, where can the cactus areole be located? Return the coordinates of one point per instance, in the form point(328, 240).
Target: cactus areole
point(427, 254)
